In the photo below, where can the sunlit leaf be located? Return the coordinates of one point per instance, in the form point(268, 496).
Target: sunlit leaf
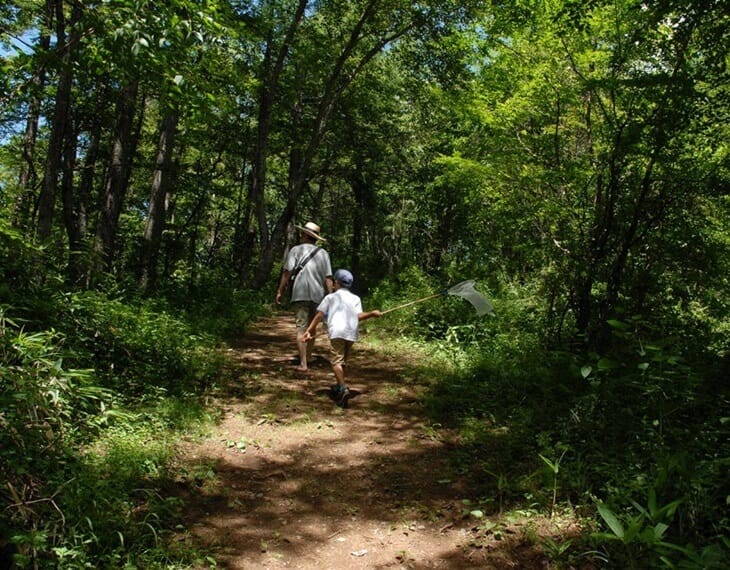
point(618, 325)
point(611, 520)
point(607, 364)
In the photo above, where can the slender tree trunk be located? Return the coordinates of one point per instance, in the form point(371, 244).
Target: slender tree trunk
point(115, 188)
point(243, 237)
point(156, 215)
point(73, 210)
point(28, 178)
point(80, 263)
point(258, 166)
point(86, 178)
point(272, 68)
point(286, 219)
point(335, 85)
point(47, 198)
point(365, 206)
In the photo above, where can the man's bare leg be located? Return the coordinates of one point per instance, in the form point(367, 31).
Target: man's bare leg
point(310, 346)
point(303, 347)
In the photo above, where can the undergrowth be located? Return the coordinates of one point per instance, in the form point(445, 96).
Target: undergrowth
point(635, 440)
point(96, 390)
point(95, 393)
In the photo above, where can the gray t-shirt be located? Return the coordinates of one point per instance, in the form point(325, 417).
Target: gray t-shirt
point(310, 284)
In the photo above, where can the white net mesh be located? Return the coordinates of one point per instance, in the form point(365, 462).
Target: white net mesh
point(466, 290)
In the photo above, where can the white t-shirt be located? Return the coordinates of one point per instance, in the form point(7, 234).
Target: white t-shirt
point(341, 309)
point(310, 283)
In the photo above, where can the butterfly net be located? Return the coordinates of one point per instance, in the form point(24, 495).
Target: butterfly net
point(466, 290)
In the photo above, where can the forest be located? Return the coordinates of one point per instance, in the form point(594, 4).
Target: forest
point(570, 156)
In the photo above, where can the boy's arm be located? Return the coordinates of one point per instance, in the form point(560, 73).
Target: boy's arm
point(312, 326)
point(369, 315)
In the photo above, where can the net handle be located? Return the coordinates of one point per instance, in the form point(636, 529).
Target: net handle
point(444, 292)
point(413, 303)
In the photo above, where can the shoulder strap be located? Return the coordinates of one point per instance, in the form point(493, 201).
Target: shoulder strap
point(301, 265)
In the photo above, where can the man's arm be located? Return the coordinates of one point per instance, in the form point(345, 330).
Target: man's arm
point(282, 285)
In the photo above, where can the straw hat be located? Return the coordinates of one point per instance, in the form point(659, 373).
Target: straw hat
point(311, 229)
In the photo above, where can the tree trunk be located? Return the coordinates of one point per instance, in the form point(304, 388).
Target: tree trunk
point(364, 201)
point(156, 215)
point(285, 220)
point(115, 188)
point(339, 79)
point(267, 97)
point(28, 178)
point(74, 214)
point(47, 198)
point(244, 234)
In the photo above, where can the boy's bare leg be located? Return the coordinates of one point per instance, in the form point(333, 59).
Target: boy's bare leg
point(339, 371)
point(341, 393)
point(338, 367)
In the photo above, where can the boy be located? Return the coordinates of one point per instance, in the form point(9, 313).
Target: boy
point(343, 312)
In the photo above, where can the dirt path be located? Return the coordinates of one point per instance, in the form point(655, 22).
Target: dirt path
point(301, 483)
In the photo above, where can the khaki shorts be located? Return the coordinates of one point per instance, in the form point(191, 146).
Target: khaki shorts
point(339, 350)
point(304, 312)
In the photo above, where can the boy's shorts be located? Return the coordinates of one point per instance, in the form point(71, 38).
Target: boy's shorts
point(339, 350)
point(304, 312)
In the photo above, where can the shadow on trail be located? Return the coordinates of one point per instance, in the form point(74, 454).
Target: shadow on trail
point(301, 483)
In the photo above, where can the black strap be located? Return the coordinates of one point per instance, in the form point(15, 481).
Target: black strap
point(299, 266)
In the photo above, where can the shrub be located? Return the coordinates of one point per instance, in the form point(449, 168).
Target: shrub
point(136, 349)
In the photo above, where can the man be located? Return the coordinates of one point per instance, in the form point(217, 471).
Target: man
point(312, 271)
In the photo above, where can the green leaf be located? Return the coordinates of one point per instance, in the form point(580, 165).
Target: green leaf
point(553, 466)
point(651, 501)
point(641, 509)
point(616, 324)
point(607, 364)
point(611, 520)
point(659, 530)
point(585, 371)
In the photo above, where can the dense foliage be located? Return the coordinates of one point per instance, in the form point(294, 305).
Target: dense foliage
point(93, 388)
point(571, 157)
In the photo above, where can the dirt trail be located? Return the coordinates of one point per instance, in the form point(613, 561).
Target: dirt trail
point(301, 483)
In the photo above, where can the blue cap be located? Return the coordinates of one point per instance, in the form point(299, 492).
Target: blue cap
point(344, 277)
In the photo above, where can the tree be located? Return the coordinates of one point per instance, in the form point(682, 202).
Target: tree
point(592, 141)
point(161, 182)
point(115, 189)
point(66, 47)
point(355, 34)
